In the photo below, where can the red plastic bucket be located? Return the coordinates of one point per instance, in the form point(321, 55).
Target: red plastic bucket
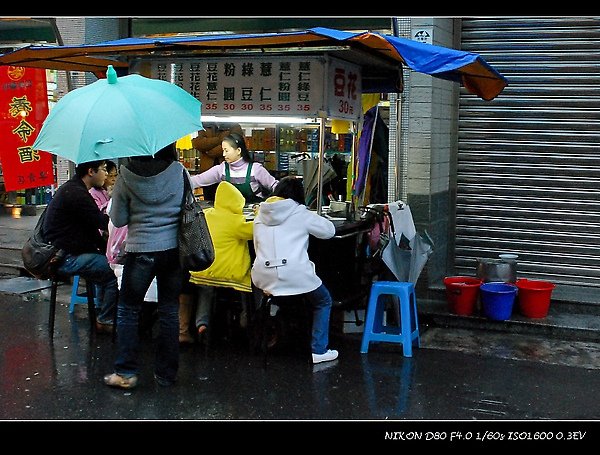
point(534, 297)
point(462, 293)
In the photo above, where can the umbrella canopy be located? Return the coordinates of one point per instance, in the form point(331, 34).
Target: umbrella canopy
point(118, 117)
point(381, 56)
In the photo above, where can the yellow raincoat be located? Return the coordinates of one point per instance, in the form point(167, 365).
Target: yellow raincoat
point(230, 234)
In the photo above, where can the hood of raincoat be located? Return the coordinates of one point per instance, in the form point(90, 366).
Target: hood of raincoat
point(229, 198)
point(275, 210)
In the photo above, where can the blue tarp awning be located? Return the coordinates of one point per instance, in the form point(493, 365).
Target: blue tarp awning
point(373, 51)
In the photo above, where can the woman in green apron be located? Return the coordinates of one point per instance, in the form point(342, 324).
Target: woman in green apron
point(250, 178)
point(244, 187)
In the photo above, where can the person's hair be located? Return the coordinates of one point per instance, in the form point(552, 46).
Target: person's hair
point(235, 140)
point(110, 165)
point(290, 187)
point(167, 153)
point(82, 168)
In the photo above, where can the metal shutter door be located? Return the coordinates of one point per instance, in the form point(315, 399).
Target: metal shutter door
point(528, 176)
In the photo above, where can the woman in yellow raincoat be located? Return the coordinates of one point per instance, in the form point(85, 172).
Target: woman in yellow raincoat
point(230, 234)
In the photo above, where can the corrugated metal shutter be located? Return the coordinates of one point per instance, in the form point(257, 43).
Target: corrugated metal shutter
point(529, 161)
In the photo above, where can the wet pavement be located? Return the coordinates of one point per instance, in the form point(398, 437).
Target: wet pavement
point(63, 379)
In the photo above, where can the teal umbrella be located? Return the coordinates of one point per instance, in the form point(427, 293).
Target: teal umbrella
point(118, 117)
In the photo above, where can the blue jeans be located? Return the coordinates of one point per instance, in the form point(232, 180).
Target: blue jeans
point(138, 271)
point(94, 267)
point(320, 300)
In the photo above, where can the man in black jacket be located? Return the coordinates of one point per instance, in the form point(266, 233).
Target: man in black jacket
point(72, 223)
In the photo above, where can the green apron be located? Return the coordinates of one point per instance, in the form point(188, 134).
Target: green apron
point(245, 187)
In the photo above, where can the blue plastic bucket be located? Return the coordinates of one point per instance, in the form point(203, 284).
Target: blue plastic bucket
point(497, 300)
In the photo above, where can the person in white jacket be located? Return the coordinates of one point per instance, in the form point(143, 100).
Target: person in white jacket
point(282, 267)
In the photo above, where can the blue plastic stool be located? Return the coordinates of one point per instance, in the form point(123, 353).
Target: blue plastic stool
point(77, 298)
point(408, 330)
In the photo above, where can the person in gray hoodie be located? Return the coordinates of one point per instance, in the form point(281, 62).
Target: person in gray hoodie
point(147, 198)
point(282, 267)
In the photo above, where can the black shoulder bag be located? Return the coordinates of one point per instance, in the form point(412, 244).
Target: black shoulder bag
point(39, 257)
point(196, 250)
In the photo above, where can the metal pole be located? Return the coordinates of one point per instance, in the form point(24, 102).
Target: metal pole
point(321, 157)
point(61, 42)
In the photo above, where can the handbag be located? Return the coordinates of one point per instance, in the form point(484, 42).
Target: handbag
point(196, 250)
point(39, 257)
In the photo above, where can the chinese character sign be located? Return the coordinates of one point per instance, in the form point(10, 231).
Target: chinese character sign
point(263, 86)
point(23, 109)
point(291, 86)
point(344, 89)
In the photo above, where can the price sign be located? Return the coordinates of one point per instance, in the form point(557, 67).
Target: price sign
point(268, 86)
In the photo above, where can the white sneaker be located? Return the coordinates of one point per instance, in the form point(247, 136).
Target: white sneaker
point(328, 356)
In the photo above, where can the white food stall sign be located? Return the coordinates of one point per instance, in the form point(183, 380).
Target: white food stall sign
point(343, 91)
point(268, 85)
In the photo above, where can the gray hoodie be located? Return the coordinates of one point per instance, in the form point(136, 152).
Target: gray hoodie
point(150, 206)
point(281, 232)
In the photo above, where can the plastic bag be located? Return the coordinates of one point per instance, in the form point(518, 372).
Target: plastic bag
point(115, 248)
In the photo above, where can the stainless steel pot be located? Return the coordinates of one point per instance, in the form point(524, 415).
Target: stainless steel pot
point(497, 270)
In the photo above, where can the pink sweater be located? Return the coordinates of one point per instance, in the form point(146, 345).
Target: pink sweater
point(259, 175)
point(101, 197)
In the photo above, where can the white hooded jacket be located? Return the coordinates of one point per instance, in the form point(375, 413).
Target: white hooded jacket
point(281, 231)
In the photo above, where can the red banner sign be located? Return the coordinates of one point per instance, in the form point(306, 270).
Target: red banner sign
point(23, 109)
